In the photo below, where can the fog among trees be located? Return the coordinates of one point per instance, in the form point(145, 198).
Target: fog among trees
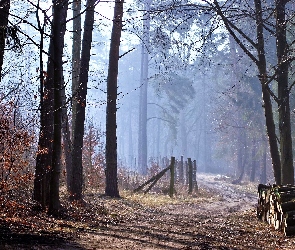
point(95, 90)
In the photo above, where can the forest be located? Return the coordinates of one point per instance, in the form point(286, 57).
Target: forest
point(100, 98)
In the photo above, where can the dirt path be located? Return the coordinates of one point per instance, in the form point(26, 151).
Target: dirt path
point(225, 219)
point(220, 216)
point(232, 198)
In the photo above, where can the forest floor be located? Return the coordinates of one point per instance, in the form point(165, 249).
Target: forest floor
point(220, 216)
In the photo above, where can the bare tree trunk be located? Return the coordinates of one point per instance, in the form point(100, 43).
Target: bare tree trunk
point(67, 144)
point(130, 140)
point(44, 154)
point(78, 124)
point(183, 134)
point(253, 161)
point(4, 13)
point(263, 163)
point(58, 32)
point(261, 64)
point(270, 125)
point(142, 139)
point(243, 152)
point(287, 171)
point(111, 188)
point(76, 54)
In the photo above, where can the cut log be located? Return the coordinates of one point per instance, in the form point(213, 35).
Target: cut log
point(262, 187)
point(290, 214)
point(277, 224)
point(278, 216)
point(286, 207)
point(286, 196)
point(276, 206)
point(289, 222)
point(289, 231)
point(285, 188)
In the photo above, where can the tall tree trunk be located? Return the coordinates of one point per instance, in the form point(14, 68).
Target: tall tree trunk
point(111, 188)
point(142, 139)
point(4, 13)
point(253, 161)
point(78, 124)
point(58, 32)
point(76, 54)
point(76, 50)
point(44, 154)
point(263, 162)
point(261, 64)
point(287, 171)
point(270, 125)
point(242, 156)
point(67, 144)
point(183, 134)
point(130, 139)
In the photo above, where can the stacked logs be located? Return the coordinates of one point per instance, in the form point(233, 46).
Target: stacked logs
point(276, 206)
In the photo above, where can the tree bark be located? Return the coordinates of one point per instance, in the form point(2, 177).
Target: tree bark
point(111, 188)
point(76, 54)
point(287, 168)
point(78, 125)
point(4, 13)
point(45, 144)
point(67, 142)
point(263, 162)
point(76, 50)
point(270, 125)
point(58, 32)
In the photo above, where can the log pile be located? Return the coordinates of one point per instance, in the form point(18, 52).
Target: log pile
point(276, 206)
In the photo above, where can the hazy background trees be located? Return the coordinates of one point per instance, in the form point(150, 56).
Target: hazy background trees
point(189, 83)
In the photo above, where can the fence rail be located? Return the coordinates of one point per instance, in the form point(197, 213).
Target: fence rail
point(176, 175)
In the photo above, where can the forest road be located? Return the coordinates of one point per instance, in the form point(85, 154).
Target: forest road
point(232, 197)
point(225, 219)
point(220, 216)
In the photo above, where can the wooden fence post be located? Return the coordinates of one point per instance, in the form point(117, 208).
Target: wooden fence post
point(190, 175)
point(195, 176)
point(186, 172)
point(172, 173)
point(181, 175)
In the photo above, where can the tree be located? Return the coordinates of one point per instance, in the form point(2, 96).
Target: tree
point(76, 54)
point(111, 188)
point(80, 105)
point(45, 143)
point(142, 137)
point(282, 163)
point(46, 183)
point(58, 31)
point(4, 13)
point(283, 62)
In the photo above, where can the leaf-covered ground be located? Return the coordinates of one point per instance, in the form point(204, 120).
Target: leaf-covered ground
point(220, 216)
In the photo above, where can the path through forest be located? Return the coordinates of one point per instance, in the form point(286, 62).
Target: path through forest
point(221, 216)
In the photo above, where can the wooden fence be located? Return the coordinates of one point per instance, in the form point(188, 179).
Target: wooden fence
point(180, 171)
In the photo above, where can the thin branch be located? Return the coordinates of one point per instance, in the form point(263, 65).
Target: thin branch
point(232, 33)
point(154, 117)
point(124, 54)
